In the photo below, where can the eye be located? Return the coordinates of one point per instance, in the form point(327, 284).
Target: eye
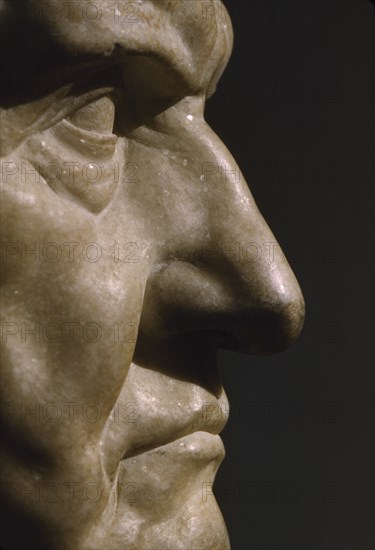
point(77, 156)
point(88, 130)
point(97, 116)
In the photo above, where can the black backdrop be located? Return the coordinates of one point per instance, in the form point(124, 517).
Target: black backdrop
point(295, 107)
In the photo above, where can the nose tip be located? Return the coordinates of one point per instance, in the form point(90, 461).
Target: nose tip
point(289, 320)
point(269, 330)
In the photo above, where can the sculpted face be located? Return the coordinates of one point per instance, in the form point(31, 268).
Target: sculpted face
point(131, 250)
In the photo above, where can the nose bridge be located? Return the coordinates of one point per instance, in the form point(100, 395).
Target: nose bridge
point(262, 285)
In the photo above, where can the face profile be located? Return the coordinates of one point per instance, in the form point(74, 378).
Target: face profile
point(132, 250)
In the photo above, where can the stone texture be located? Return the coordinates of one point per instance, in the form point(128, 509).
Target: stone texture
point(133, 254)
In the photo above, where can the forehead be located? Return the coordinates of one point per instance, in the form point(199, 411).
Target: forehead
point(194, 37)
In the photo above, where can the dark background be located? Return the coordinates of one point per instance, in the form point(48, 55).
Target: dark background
point(295, 108)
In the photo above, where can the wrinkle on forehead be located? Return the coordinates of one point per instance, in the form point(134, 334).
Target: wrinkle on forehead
point(195, 37)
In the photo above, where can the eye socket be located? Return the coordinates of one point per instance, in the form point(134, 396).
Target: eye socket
point(77, 155)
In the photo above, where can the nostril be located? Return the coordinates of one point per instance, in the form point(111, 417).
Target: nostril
point(223, 339)
point(266, 332)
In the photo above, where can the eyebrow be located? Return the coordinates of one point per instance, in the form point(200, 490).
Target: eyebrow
point(193, 48)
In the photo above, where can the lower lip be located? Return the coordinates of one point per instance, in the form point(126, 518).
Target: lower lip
point(170, 472)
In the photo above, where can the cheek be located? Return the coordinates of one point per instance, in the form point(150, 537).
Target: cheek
point(37, 227)
point(77, 326)
point(61, 274)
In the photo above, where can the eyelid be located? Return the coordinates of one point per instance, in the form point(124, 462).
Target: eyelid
point(62, 104)
point(89, 134)
point(86, 141)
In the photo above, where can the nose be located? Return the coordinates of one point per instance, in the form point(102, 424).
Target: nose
point(226, 277)
point(264, 308)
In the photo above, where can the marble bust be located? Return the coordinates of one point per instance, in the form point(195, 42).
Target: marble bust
point(132, 250)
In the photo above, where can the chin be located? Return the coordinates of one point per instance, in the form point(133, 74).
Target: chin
point(196, 526)
point(163, 499)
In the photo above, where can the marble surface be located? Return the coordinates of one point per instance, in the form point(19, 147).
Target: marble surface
point(132, 249)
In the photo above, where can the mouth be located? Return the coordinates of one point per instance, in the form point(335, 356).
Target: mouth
point(176, 397)
point(208, 420)
point(197, 446)
point(190, 410)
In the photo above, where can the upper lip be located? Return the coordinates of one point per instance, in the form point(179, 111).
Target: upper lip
point(161, 443)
